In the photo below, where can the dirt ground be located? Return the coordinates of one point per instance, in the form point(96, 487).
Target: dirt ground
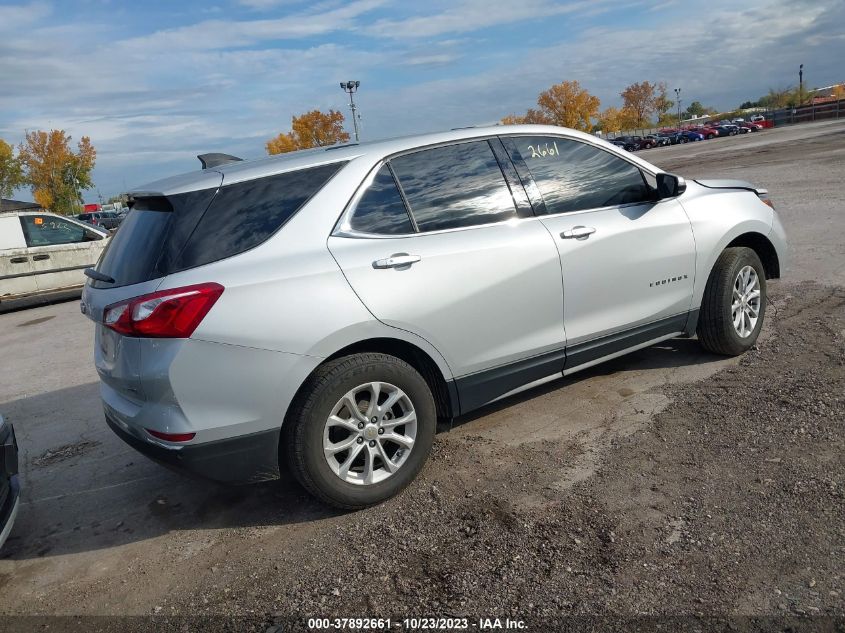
point(668, 489)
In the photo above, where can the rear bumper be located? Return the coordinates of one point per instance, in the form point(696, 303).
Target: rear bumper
point(238, 460)
point(10, 490)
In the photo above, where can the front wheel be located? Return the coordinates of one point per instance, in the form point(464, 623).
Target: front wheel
point(734, 303)
point(360, 430)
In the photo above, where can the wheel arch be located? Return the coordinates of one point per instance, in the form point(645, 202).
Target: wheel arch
point(764, 248)
point(442, 388)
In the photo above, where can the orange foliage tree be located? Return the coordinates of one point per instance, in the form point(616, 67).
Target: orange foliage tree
point(312, 129)
point(643, 99)
point(55, 172)
point(617, 120)
point(565, 104)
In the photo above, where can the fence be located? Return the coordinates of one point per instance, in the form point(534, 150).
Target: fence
point(807, 113)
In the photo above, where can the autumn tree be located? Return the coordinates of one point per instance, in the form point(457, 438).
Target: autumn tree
point(565, 104)
point(531, 116)
point(11, 173)
point(568, 105)
point(641, 98)
point(312, 129)
point(56, 173)
point(662, 105)
point(616, 120)
point(838, 92)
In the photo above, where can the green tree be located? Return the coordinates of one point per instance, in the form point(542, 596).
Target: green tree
point(11, 171)
point(696, 109)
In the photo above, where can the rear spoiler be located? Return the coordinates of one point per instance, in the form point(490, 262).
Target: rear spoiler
point(215, 159)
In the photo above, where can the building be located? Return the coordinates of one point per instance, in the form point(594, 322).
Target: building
point(18, 205)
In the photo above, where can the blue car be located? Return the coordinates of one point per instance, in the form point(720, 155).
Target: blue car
point(685, 136)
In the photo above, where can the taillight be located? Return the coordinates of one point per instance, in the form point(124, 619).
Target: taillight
point(173, 313)
point(172, 437)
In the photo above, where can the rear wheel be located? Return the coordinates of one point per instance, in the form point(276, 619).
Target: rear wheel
point(734, 303)
point(360, 429)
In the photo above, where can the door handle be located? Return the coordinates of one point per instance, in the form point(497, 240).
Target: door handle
point(395, 261)
point(38, 258)
point(578, 233)
point(18, 260)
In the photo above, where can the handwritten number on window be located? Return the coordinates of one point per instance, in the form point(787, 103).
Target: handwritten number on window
point(541, 151)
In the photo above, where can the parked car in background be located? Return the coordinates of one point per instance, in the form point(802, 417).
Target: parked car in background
point(660, 140)
point(756, 118)
point(728, 129)
point(629, 143)
point(103, 219)
point(304, 311)
point(688, 136)
point(9, 483)
point(710, 132)
point(44, 253)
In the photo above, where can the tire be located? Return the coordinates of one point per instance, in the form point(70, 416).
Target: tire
point(716, 329)
point(685, 140)
point(307, 427)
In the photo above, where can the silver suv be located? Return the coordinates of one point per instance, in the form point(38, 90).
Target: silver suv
point(322, 309)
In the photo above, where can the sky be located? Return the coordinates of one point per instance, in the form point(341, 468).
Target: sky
point(153, 83)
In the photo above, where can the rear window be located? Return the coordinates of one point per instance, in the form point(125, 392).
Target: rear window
point(246, 214)
point(162, 235)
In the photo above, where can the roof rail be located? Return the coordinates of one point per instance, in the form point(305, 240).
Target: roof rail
point(215, 159)
point(340, 146)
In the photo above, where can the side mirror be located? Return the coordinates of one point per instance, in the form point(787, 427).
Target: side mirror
point(670, 185)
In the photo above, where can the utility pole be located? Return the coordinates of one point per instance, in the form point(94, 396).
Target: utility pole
point(678, 99)
point(800, 84)
point(352, 87)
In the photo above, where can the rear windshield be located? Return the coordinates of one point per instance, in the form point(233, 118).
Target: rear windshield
point(162, 235)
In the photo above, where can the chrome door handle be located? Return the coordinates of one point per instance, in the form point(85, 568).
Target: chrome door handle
point(578, 233)
point(395, 261)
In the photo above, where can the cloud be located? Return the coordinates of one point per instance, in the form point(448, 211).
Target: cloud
point(472, 15)
point(221, 34)
point(17, 16)
point(153, 98)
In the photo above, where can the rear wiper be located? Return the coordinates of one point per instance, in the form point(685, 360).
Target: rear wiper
point(93, 274)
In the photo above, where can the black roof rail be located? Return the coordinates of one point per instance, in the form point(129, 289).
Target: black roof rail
point(340, 146)
point(215, 159)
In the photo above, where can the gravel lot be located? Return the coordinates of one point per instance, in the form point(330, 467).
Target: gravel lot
point(665, 483)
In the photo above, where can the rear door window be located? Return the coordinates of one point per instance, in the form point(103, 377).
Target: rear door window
point(381, 209)
point(454, 186)
point(49, 230)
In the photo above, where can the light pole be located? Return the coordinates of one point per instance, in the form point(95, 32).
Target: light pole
point(352, 87)
point(800, 84)
point(678, 99)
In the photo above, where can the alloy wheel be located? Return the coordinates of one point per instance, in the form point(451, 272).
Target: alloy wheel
point(745, 306)
point(370, 433)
